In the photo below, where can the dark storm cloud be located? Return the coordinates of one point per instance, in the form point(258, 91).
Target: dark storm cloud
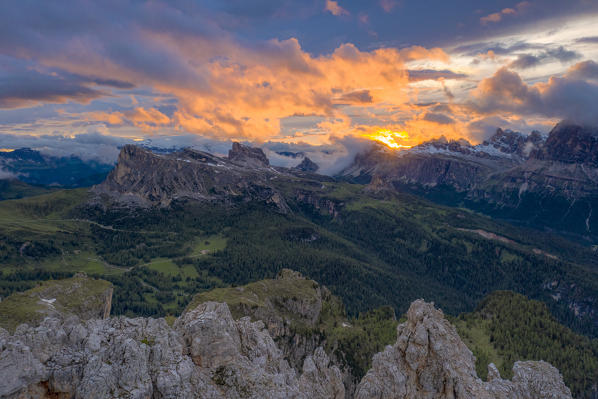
point(29, 87)
point(560, 97)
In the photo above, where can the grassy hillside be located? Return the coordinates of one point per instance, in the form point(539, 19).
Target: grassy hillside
point(369, 249)
point(507, 327)
point(15, 189)
point(82, 296)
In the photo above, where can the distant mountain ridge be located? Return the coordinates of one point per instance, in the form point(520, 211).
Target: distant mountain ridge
point(548, 182)
point(32, 167)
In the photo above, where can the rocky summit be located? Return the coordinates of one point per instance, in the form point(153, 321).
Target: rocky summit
point(145, 178)
point(307, 165)
point(207, 353)
point(527, 178)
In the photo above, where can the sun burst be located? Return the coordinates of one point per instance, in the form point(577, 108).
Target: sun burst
point(389, 138)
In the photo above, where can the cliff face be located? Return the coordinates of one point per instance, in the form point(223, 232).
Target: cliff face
point(548, 182)
point(143, 178)
point(208, 354)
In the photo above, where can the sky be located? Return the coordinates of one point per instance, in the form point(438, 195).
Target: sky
point(84, 76)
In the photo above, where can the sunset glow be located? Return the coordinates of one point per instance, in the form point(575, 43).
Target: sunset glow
point(6, 149)
point(389, 138)
point(302, 73)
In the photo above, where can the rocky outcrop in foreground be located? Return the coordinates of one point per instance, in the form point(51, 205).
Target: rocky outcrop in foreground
point(429, 360)
point(207, 354)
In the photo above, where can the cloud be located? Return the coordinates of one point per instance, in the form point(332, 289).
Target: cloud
point(584, 70)
point(561, 54)
point(497, 48)
point(498, 16)
point(587, 39)
point(5, 175)
point(223, 87)
point(438, 118)
point(416, 75)
point(335, 9)
point(355, 97)
point(28, 87)
point(559, 97)
point(525, 61)
point(145, 118)
point(204, 68)
point(388, 5)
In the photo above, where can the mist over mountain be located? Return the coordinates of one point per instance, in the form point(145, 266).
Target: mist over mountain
point(35, 168)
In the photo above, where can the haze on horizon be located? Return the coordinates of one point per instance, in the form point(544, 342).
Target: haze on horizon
point(86, 76)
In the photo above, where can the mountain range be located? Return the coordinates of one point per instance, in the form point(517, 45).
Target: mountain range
point(172, 230)
point(545, 182)
point(39, 169)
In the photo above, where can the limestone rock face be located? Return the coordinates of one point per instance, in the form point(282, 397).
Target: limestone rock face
point(206, 354)
point(248, 155)
point(429, 360)
point(143, 178)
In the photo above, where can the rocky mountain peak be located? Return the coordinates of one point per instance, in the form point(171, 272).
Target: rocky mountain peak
point(144, 178)
point(248, 155)
point(569, 142)
point(511, 142)
point(307, 165)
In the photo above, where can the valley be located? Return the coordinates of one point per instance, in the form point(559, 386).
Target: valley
point(169, 231)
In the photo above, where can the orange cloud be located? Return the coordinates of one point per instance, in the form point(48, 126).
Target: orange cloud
point(250, 99)
point(334, 8)
point(146, 119)
point(226, 90)
point(497, 16)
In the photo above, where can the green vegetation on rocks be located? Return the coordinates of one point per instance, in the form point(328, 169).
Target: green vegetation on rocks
point(507, 327)
point(302, 315)
point(82, 296)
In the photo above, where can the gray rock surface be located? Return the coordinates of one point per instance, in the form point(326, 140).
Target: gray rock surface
point(206, 354)
point(429, 360)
